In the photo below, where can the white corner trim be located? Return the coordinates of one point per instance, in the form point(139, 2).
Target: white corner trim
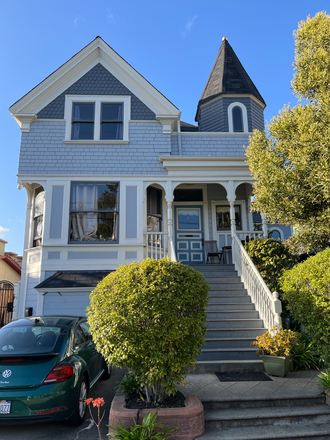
point(230, 116)
point(167, 122)
point(24, 121)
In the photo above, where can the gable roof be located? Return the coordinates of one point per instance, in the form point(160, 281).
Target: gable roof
point(228, 76)
point(11, 263)
point(98, 51)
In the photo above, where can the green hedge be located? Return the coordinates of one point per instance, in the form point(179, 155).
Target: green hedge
point(151, 317)
point(306, 289)
point(271, 258)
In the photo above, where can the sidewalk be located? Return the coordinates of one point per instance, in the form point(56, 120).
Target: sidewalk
point(296, 384)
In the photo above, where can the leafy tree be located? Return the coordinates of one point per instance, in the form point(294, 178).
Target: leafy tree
point(290, 162)
point(150, 317)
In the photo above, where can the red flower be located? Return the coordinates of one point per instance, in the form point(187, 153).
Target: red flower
point(98, 402)
point(88, 401)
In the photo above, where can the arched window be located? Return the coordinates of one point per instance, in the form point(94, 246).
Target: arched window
point(237, 119)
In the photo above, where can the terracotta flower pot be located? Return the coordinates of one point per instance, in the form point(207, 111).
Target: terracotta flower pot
point(276, 365)
point(189, 419)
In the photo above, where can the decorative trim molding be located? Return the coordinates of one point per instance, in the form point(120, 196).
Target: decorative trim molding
point(24, 120)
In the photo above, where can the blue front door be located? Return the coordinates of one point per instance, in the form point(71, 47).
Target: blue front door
point(189, 234)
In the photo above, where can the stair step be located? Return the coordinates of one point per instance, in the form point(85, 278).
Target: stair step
point(235, 332)
point(223, 273)
point(237, 418)
point(226, 287)
point(234, 323)
point(228, 354)
point(229, 299)
point(223, 280)
point(301, 431)
point(225, 366)
point(228, 343)
point(213, 267)
point(230, 314)
point(262, 402)
point(219, 307)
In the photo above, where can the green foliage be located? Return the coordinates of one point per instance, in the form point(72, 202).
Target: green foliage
point(150, 317)
point(148, 430)
point(304, 355)
point(306, 290)
point(129, 384)
point(276, 343)
point(323, 380)
point(271, 258)
point(290, 162)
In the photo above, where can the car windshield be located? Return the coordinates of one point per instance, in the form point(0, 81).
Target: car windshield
point(25, 340)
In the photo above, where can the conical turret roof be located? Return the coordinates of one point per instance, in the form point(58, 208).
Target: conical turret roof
point(228, 76)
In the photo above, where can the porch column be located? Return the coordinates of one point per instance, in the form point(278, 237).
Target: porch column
point(232, 218)
point(264, 226)
point(170, 219)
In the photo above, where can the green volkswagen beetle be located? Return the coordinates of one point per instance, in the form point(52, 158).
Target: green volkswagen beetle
point(47, 366)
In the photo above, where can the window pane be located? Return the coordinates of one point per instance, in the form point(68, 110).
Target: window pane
point(83, 112)
point(111, 130)
point(188, 218)
point(89, 226)
point(82, 130)
point(38, 221)
point(83, 197)
point(154, 201)
point(39, 203)
point(223, 217)
point(111, 112)
point(107, 197)
point(237, 119)
point(153, 224)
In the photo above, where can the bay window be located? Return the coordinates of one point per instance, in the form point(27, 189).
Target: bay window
point(94, 212)
point(38, 216)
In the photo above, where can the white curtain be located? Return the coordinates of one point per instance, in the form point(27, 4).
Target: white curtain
point(84, 226)
point(119, 133)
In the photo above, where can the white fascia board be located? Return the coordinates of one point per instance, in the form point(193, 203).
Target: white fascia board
point(96, 52)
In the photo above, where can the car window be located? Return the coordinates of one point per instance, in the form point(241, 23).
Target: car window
point(85, 328)
point(79, 337)
point(29, 340)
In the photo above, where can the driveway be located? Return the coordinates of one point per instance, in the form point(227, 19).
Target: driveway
point(62, 431)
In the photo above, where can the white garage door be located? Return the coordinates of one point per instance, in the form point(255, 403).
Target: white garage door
point(68, 303)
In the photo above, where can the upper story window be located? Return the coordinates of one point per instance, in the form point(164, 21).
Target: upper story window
point(92, 119)
point(237, 118)
point(38, 216)
point(94, 212)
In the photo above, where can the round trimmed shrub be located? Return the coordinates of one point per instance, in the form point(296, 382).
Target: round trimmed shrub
point(271, 258)
point(306, 290)
point(150, 317)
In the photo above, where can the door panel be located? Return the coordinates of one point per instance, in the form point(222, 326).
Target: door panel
point(189, 234)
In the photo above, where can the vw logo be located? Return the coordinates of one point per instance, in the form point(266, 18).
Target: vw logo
point(6, 374)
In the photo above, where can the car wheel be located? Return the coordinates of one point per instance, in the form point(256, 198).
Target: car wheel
point(78, 416)
point(107, 372)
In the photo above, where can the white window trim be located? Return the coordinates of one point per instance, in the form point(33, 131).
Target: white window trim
point(97, 100)
point(244, 114)
point(277, 230)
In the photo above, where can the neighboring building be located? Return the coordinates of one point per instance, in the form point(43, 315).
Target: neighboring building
point(113, 175)
point(10, 274)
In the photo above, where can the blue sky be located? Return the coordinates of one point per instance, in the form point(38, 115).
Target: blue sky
point(173, 44)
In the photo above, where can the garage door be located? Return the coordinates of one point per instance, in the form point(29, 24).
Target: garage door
point(68, 303)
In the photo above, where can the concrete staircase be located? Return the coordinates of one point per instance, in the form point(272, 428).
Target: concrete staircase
point(304, 418)
point(232, 321)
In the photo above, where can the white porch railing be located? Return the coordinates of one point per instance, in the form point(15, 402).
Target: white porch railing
point(267, 304)
point(251, 235)
point(159, 245)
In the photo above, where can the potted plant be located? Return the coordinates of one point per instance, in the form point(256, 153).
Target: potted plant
point(274, 348)
point(150, 317)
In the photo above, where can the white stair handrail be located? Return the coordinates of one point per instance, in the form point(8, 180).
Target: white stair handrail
point(267, 303)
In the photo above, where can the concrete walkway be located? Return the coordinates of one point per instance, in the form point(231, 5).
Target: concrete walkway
point(296, 384)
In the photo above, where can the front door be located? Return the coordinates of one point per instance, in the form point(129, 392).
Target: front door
point(189, 241)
